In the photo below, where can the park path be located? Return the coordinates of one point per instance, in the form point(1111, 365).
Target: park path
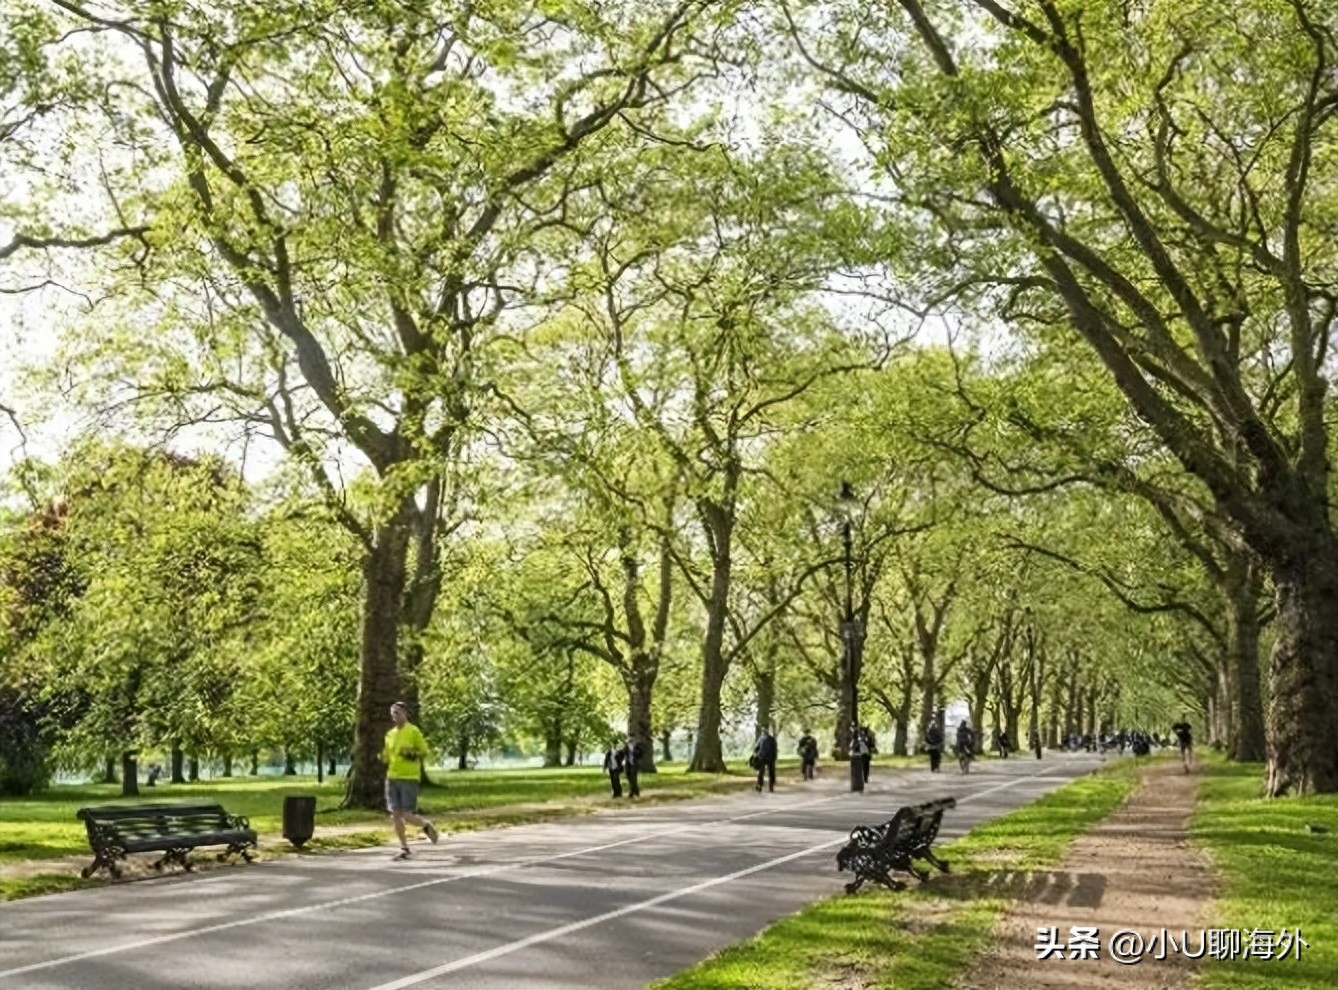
point(605, 902)
point(1136, 870)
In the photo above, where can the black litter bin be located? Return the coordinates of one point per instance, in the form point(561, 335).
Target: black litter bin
point(299, 819)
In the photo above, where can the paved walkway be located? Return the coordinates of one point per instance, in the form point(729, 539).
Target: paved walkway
point(603, 901)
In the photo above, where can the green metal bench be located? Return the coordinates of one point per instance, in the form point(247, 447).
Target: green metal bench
point(115, 831)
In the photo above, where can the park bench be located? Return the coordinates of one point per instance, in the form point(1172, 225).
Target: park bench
point(874, 851)
point(114, 831)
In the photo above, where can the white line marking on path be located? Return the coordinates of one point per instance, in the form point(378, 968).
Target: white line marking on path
point(576, 926)
point(391, 891)
point(545, 936)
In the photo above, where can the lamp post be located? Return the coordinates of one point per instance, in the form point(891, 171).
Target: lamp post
point(851, 638)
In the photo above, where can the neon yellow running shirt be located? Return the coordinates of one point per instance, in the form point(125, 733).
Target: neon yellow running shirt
point(404, 748)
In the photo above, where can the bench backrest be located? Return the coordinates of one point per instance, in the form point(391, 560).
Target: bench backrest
point(147, 820)
point(920, 823)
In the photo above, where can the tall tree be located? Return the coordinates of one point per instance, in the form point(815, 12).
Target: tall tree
point(1149, 173)
point(343, 199)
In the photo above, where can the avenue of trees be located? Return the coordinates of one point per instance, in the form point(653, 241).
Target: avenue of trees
point(509, 358)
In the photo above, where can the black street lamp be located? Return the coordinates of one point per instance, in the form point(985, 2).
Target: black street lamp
point(851, 638)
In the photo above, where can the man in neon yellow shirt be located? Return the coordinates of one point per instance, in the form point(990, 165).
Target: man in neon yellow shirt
point(403, 753)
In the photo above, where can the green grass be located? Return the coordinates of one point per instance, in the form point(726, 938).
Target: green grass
point(44, 826)
point(1274, 874)
point(922, 937)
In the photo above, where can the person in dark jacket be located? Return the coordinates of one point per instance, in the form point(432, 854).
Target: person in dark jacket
point(934, 746)
point(613, 766)
point(808, 753)
point(631, 754)
point(870, 747)
point(764, 754)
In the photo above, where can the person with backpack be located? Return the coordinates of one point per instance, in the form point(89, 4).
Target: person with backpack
point(934, 746)
point(764, 759)
point(808, 754)
point(614, 758)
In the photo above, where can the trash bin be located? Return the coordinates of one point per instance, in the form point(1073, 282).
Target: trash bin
point(299, 819)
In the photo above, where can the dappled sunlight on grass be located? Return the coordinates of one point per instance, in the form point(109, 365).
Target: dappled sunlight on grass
point(1274, 874)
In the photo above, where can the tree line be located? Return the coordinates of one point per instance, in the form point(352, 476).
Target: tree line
point(568, 320)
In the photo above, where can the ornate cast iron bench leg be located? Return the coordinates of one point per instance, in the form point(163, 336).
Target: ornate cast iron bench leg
point(942, 864)
point(242, 849)
point(104, 858)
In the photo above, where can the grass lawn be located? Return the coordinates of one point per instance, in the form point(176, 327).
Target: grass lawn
point(922, 937)
point(1274, 874)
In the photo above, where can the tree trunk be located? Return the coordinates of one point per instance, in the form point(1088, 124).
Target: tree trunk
point(929, 695)
point(463, 762)
point(570, 759)
point(640, 683)
point(665, 753)
point(1302, 741)
point(320, 763)
point(289, 764)
point(1245, 741)
point(378, 662)
point(1217, 708)
point(900, 734)
point(553, 745)
point(842, 739)
point(227, 764)
point(109, 771)
point(334, 763)
point(129, 775)
point(1012, 711)
point(255, 763)
point(765, 684)
point(709, 757)
point(178, 758)
point(193, 769)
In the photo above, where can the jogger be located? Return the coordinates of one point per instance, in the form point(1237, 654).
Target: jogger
point(404, 751)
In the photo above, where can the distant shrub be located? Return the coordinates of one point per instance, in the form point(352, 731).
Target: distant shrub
point(23, 764)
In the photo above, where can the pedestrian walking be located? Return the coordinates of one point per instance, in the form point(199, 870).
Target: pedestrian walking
point(859, 747)
point(404, 751)
point(808, 754)
point(934, 746)
point(614, 759)
point(870, 747)
point(965, 747)
point(764, 757)
point(1184, 735)
point(632, 753)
